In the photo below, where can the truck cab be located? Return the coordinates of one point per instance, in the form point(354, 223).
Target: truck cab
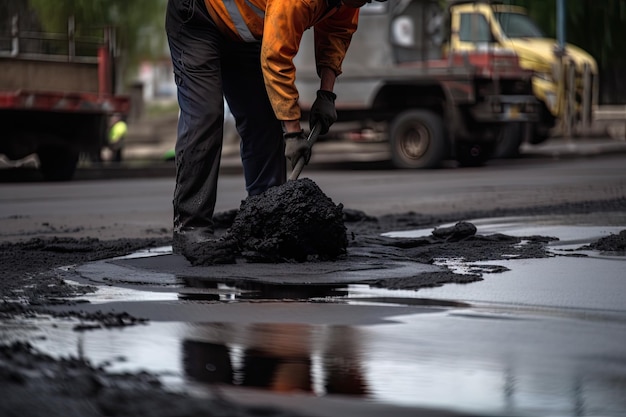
point(564, 83)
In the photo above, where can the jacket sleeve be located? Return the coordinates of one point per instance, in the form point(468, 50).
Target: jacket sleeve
point(285, 23)
point(332, 38)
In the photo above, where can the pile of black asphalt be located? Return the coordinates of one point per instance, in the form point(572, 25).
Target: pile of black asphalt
point(36, 384)
point(292, 222)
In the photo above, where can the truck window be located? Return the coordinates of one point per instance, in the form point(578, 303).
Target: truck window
point(474, 28)
point(516, 25)
point(415, 32)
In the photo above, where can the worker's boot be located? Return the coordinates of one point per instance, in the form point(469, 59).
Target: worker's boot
point(222, 250)
point(190, 236)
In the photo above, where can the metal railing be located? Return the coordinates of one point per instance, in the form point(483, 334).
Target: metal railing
point(65, 47)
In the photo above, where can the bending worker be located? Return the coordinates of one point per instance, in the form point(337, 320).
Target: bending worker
point(243, 50)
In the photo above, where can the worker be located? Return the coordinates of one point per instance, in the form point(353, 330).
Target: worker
point(243, 50)
point(117, 134)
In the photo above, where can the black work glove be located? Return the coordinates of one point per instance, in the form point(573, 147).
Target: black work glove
point(323, 111)
point(296, 147)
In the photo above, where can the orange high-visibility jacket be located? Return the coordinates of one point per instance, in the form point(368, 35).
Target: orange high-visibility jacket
point(279, 26)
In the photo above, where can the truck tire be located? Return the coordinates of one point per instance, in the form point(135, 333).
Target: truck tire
point(417, 140)
point(509, 141)
point(57, 163)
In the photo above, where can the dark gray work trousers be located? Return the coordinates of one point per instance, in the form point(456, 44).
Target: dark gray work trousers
point(209, 67)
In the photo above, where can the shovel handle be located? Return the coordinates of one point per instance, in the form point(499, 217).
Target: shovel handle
point(301, 162)
point(297, 170)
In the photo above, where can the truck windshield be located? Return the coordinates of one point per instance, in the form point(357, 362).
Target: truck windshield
point(517, 25)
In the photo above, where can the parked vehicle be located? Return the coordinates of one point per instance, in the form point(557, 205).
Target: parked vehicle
point(402, 85)
point(564, 81)
point(57, 95)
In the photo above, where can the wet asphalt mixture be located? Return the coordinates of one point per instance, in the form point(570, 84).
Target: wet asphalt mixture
point(295, 222)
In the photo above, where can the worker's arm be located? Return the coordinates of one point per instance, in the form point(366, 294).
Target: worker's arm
point(332, 39)
point(285, 22)
point(323, 112)
point(327, 84)
point(327, 79)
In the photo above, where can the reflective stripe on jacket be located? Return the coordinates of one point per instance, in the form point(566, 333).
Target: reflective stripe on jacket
point(279, 26)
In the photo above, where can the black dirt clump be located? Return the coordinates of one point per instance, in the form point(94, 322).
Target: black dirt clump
point(294, 221)
point(459, 231)
point(611, 243)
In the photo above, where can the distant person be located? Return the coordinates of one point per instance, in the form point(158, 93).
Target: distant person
point(117, 135)
point(243, 50)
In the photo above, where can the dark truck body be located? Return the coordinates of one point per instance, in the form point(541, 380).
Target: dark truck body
point(54, 102)
point(405, 91)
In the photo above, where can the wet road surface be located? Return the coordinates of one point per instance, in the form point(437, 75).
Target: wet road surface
point(545, 337)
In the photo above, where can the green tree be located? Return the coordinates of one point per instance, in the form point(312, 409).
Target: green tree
point(598, 27)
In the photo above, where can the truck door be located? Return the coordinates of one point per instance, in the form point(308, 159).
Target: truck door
point(472, 29)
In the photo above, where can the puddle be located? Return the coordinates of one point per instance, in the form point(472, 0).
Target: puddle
point(107, 294)
point(483, 363)
point(544, 337)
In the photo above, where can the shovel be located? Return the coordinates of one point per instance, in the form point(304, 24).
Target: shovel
point(301, 162)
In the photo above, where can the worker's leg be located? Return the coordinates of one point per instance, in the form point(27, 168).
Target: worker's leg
point(262, 149)
point(194, 45)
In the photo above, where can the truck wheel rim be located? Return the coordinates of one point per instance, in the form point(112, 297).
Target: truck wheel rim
point(415, 141)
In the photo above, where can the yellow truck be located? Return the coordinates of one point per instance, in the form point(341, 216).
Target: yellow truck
point(565, 82)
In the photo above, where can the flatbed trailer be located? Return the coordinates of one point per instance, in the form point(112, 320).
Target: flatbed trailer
point(55, 103)
point(56, 126)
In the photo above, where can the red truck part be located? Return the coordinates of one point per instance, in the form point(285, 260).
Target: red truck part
point(57, 104)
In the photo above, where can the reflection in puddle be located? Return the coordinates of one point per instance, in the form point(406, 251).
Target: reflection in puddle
point(479, 364)
point(277, 357)
point(201, 289)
